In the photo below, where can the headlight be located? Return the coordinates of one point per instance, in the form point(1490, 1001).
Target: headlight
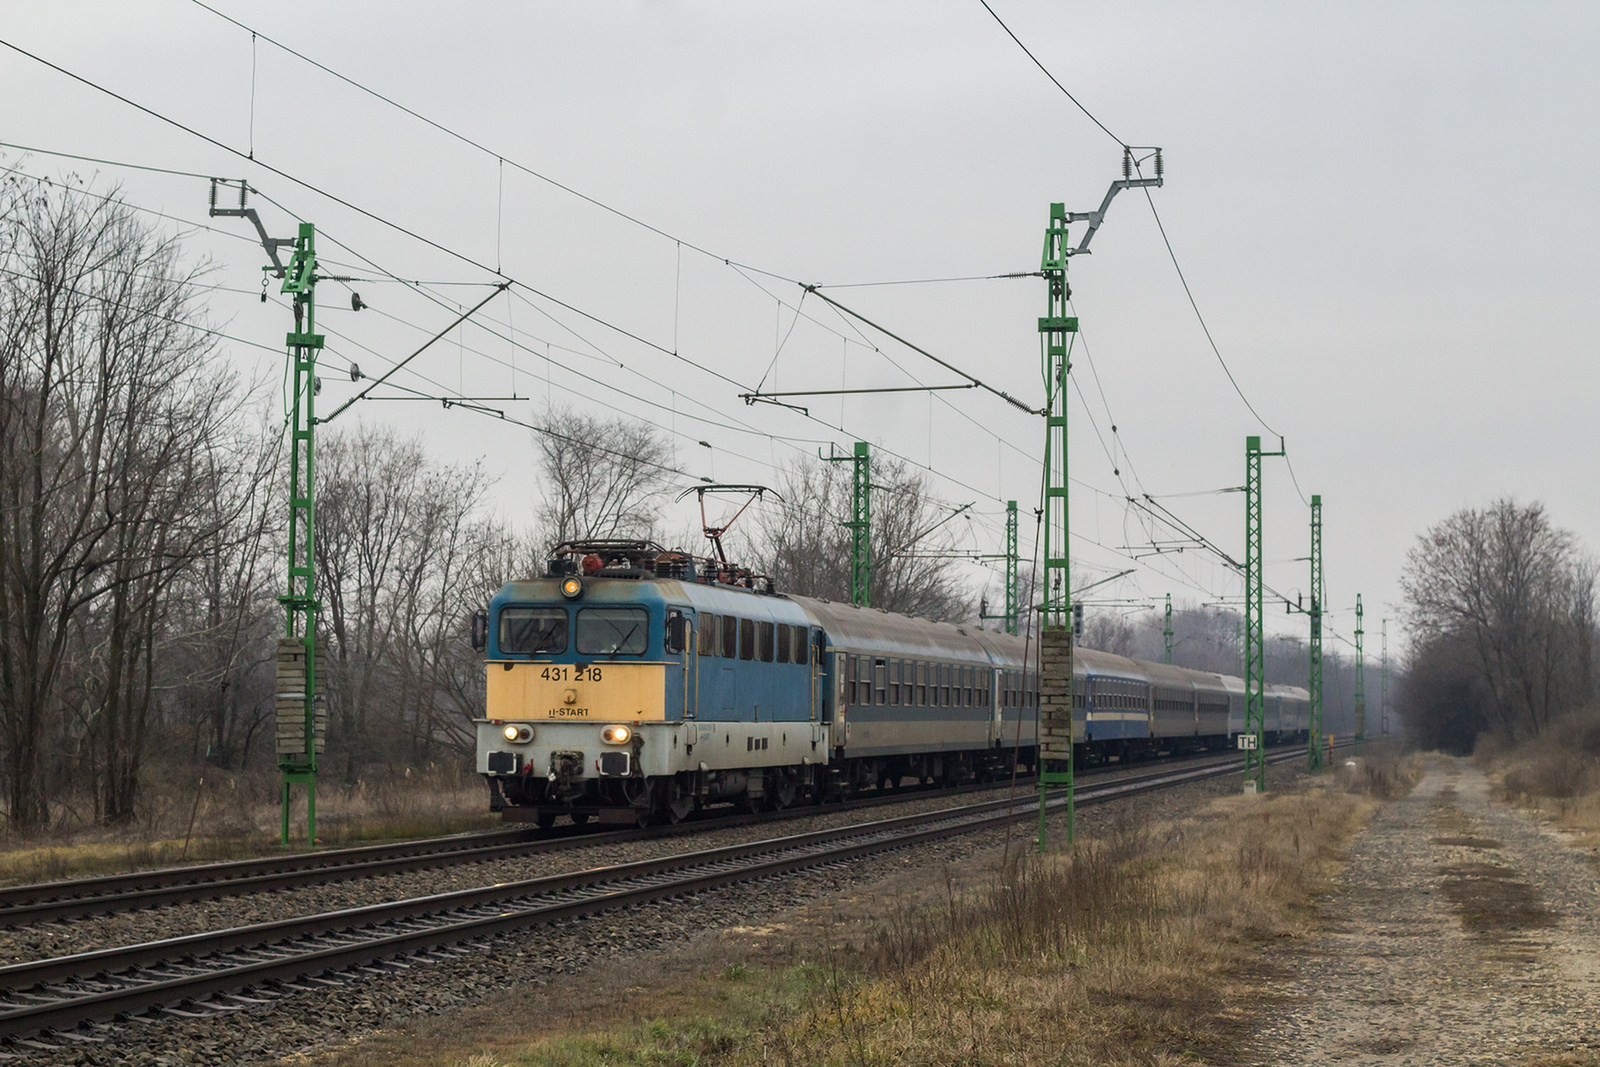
point(616, 735)
point(572, 587)
point(518, 733)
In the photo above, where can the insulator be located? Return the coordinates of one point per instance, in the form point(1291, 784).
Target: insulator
point(1127, 163)
point(1160, 169)
point(213, 195)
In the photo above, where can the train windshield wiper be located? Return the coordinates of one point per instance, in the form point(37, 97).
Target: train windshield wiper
point(622, 642)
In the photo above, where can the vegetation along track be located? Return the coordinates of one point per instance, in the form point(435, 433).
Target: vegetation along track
point(235, 969)
point(25, 905)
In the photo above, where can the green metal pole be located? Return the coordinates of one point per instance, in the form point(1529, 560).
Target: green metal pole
point(300, 601)
point(1167, 633)
point(1255, 767)
point(1056, 329)
point(861, 529)
point(860, 524)
point(1013, 601)
point(1314, 685)
point(1361, 679)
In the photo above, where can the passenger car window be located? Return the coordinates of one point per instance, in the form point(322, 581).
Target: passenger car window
point(532, 631)
point(613, 631)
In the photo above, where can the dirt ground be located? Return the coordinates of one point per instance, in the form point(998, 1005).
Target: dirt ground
point(1463, 931)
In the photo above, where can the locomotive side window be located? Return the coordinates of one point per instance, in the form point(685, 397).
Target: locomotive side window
point(533, 631)
point(613, 631)
point(764, 641)
point(747, 639)
point(783, 642)
point(730, 637)
point(800, 637)
point(708, 639)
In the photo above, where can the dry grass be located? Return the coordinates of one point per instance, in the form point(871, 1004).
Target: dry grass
point(1140, 947)
point(236, 817)
point(1556, 775)
point(1382, 773)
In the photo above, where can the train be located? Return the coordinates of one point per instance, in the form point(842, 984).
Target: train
point(630, 683)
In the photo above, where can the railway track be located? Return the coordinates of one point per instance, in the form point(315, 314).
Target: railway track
point(26, 905)
point(67, 998)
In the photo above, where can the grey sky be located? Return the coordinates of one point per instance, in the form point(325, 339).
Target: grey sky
point(1384, 211)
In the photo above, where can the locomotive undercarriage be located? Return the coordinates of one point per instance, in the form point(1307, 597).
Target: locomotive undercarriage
point(665, 799)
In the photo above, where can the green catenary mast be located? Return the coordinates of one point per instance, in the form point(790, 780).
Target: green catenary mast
point(1361, 678)
point(1013, 602)
point(1166, 633)
point(297, 653)
point(1314, 683)
point(860, 524)
point(1055, 330)
point(1255, 692)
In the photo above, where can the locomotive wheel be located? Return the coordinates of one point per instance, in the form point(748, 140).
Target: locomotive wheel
point(675, 803)
point(785, 794)
point(545, 819)
point(580, 818)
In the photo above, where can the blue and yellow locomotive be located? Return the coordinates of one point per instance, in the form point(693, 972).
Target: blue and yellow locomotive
point(633, 683)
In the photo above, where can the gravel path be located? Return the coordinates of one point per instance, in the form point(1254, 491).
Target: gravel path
point(535, 962)
point(1462, 932)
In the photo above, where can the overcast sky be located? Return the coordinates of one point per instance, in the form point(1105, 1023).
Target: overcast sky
point(1385, 212)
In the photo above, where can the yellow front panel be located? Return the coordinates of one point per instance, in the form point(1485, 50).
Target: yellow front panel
point(602, 692)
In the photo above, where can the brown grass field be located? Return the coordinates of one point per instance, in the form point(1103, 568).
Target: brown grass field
point(1139, 946)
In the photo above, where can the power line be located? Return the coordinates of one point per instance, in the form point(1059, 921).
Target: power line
point(452, 252)
point(501, 157)
point(933, 281)
point(1047, 74)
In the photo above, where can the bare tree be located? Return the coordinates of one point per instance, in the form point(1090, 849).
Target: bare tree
point(602, 477)
point(1109, 631)
point(1520, 593)
point(110, 406)
point(803, 542)
point(402, 559)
